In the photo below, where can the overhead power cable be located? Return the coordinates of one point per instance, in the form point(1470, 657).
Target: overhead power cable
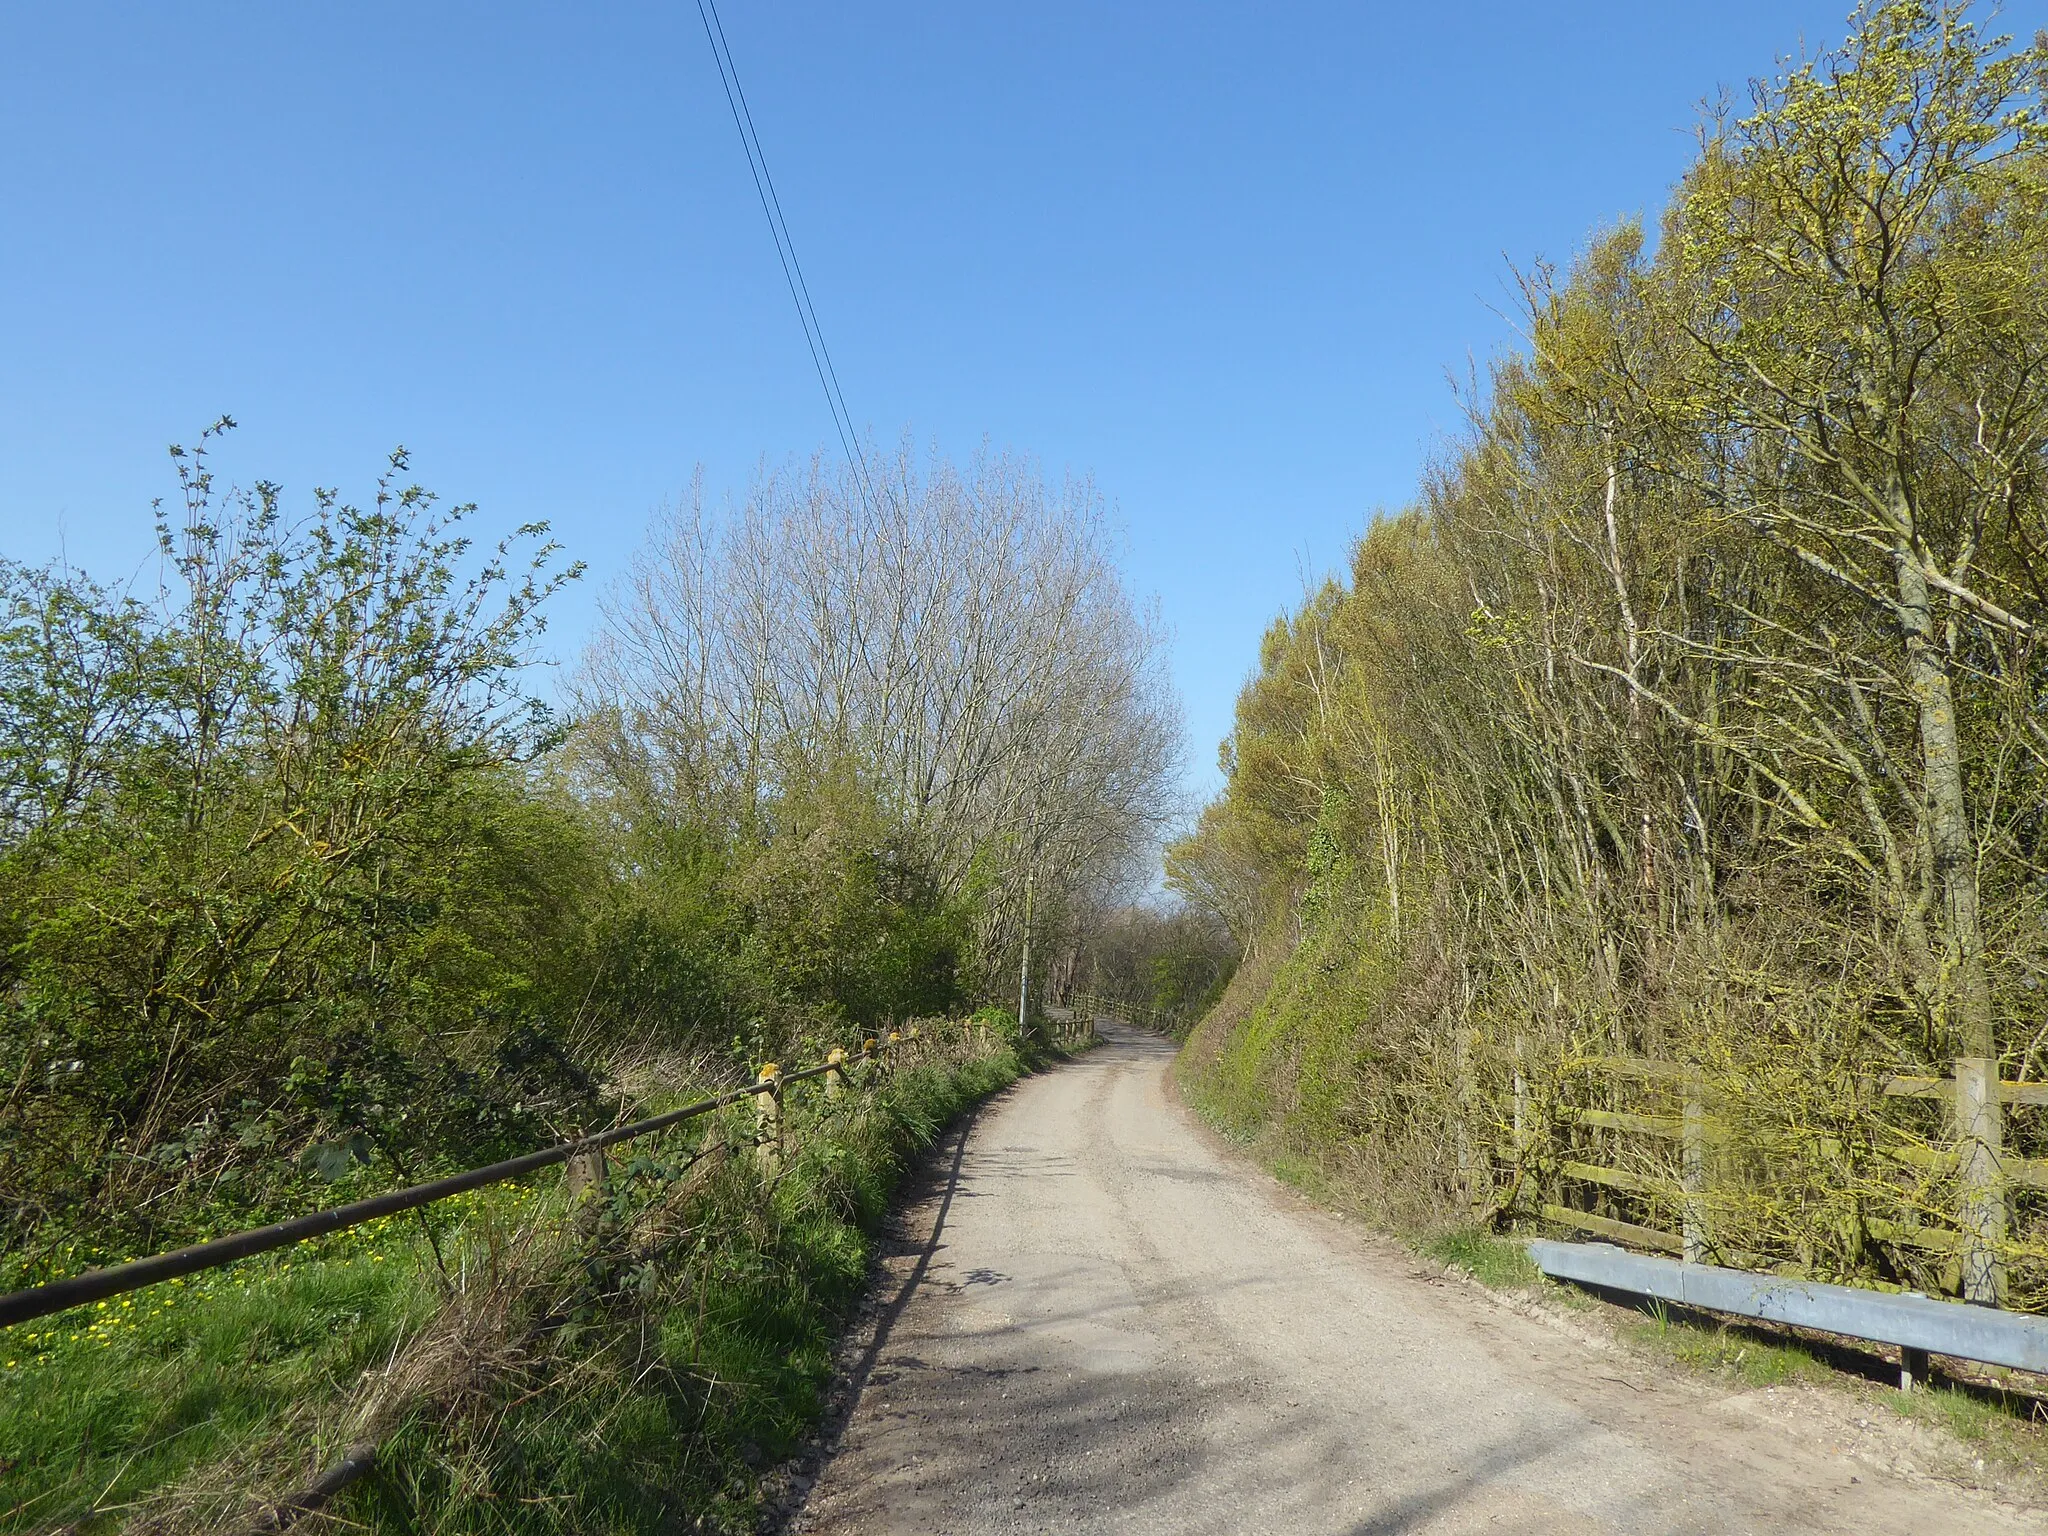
point(785, 248)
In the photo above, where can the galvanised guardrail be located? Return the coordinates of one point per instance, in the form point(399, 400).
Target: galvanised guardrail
point(1919, 1325)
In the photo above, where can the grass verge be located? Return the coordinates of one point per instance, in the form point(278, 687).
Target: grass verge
point(630, 1369)
point(1498, 1263)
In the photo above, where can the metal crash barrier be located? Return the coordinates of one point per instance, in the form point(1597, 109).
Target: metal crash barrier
point(1919, 1325)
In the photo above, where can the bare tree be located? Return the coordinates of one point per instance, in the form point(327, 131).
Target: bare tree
point(964, 641)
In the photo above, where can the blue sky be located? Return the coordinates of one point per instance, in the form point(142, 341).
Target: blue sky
point(1222, 258)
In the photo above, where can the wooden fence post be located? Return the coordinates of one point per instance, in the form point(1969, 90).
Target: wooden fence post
point(835, 1073)
point(1693, 1167)
point(1979, 1142)
point(583, 1180)
point(1521, 1125)
point(1472, 1162)
point(768, 1123)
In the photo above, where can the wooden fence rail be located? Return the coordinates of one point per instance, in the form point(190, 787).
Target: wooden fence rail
point(1139, 1016)
point(1976, 1099)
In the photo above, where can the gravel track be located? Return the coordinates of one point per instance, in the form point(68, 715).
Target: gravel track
point(1096, 1319)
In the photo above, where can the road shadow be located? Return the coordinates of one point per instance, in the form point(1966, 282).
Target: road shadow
point(892, 1310)
point(964, 1422)
point(938, 1177)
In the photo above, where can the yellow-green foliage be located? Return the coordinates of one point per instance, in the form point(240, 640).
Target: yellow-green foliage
point(1326, 1062)
point(1690, 717)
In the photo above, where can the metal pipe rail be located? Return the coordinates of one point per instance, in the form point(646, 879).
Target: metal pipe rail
point(99, 1284)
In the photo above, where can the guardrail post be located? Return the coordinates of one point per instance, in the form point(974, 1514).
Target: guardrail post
point(768, 1122)
point(1693, 1167)
point(1979, 1141)
point(1912, 1367)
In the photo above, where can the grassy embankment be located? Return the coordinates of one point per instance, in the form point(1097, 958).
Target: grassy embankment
point(631, 1370)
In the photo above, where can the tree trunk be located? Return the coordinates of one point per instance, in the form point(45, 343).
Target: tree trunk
point(1948, 820)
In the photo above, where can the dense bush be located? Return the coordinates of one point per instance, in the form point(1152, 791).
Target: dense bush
point(272, 879)
point(297, 885)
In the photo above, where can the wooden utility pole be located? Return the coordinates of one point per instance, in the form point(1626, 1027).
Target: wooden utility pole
point(1024, 975)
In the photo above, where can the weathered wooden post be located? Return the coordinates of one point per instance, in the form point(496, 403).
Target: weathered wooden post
point(1521, 1125)
point(1521, 1099)
point(583, 1182)
point(1692, 1158)
point(1980, 1138)
point(835, 1073)
point(1472, 1160)
point(768, 1123)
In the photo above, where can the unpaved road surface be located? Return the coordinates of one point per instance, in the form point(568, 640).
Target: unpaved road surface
point(1099, 1321)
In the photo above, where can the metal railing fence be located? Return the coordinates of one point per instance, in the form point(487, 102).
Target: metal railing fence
point(115, 1280)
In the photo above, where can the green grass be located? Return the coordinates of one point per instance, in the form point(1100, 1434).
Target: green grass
point(2003, 1431)
point(1303, 1174)
point(1962, 1414)
point(694, 1374)
point(1728, 1351)
point(101, 1405)
point(635, 1379)
point(1499, 1263)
